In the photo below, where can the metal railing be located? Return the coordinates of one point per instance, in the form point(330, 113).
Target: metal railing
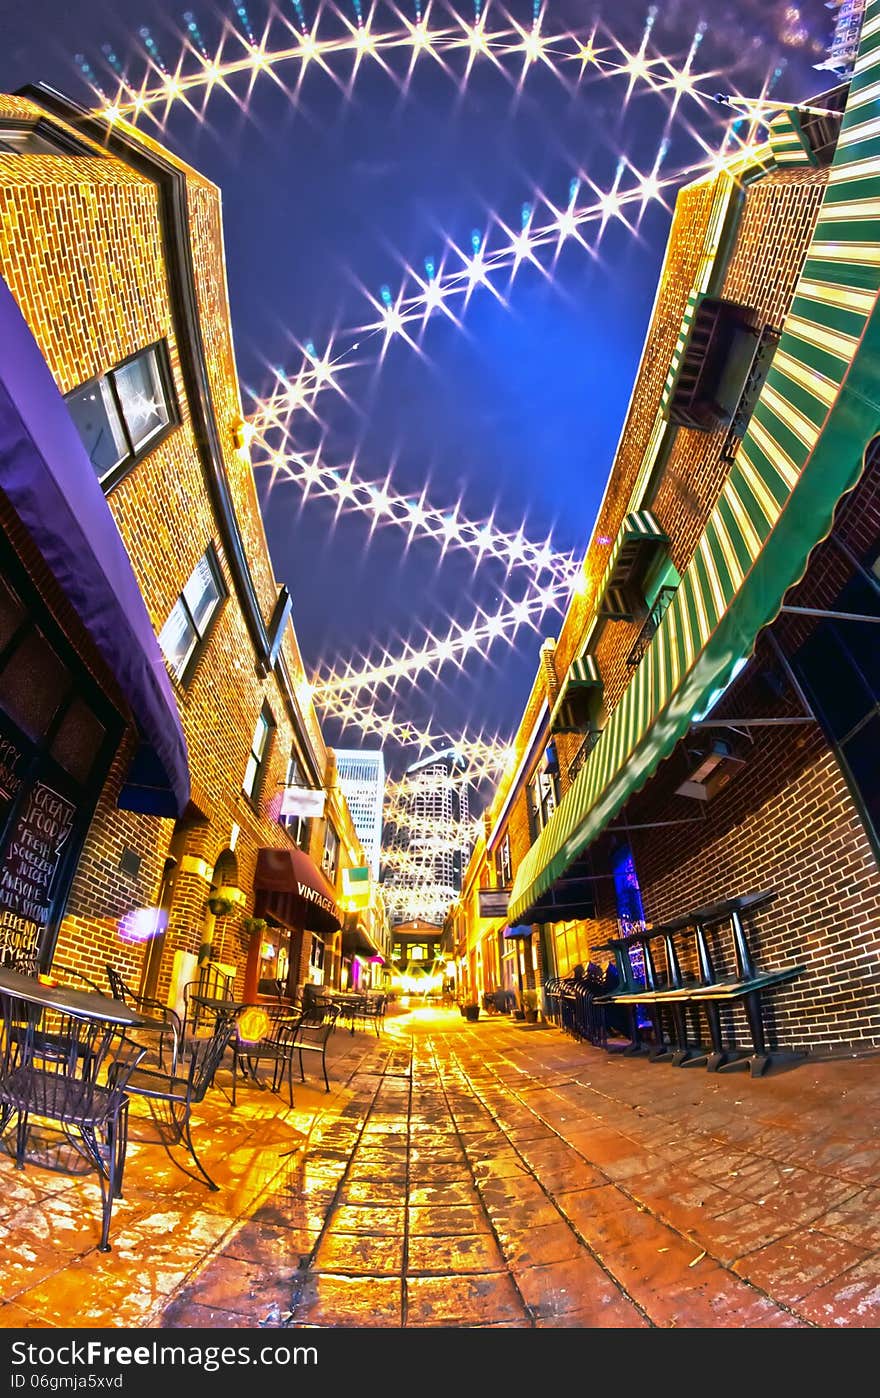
point(651, 624)
point(583, 752)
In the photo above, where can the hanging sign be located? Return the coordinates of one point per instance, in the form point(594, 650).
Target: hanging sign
point(493, 901)
point(303, 801)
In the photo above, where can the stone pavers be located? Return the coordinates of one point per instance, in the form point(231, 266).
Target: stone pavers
point(486, 1174)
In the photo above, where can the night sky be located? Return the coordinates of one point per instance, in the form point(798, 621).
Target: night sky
point(331, 191)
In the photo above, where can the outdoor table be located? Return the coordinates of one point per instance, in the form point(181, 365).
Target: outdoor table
point(80, 1004)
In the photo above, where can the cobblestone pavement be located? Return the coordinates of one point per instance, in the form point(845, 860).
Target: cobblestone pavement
point(489, 1174)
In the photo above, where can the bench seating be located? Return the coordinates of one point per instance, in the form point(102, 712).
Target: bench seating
point(671, 994)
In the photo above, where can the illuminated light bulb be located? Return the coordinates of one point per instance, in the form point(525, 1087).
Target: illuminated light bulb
point(365, 42)
point(533, 45)
point(567, 224)
point(588, 53)
point(418, 37)
point(308, 47)
point(521, 247)
point(432, 296)
point(610, 204)
point(172, 87)
point(212, 73)
point(476, 269)
point(323, 372)
point(650, 188)
point(476, 38)
point(112, 113)
point(258, 58)
point(392, 321)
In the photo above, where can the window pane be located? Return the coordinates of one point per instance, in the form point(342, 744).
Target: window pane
point(142, 397)
point(261, 733)
point(97, 421)
point(202, 593)
point(178, 639)
point(33, 684)
point(250, 776)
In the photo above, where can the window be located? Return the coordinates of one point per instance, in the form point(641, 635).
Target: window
point(330, 857)
point(543, 792)
point(316, 961)
point(186, 629)
point(503, 870)
point(298, 827)
point(124, 413)
point(259, 752)
point(40, 138)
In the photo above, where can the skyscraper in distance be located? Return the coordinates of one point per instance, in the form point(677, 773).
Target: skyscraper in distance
point(362, 778)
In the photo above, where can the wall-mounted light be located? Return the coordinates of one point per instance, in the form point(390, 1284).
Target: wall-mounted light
point(243, 433)
point(713, 769)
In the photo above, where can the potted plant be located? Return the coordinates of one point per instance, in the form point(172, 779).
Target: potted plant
point(254, 926)
point(530, 1006)
point(220, 903)
point(471, 1011)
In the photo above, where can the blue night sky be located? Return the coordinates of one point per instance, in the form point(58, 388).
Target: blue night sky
point(329, 194)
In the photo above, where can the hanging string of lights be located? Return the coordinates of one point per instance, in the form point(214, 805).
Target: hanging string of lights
point(513, 48)
point(386, 507)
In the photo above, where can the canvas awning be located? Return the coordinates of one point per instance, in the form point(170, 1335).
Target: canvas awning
point(48, 479)
point(355, 940)
point(635, 547)
point(290, 888)
point(578, 698)
point(802, 451)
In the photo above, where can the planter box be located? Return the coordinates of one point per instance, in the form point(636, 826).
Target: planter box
point(471, 1012)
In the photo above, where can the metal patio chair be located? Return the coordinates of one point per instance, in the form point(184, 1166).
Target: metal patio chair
point(276, 1044)
point(162, 1028)
point(72, 1073)
point(184, 1087)
point(312, 1033)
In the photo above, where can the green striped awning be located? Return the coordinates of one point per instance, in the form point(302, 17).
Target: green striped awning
point(802, 451)
point(577, 697)
point(639, 528)
point(788, 141)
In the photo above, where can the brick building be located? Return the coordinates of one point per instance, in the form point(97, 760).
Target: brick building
point(142, 778)
point(706, 724)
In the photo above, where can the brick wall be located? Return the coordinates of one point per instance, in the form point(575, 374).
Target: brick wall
point(81, 247)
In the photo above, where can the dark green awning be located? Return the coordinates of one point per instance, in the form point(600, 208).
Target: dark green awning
point(803, 450)
point(635, 546)
point(578, 698)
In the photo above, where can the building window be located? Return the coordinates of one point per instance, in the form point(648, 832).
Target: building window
point(543, 792)
point(184, 633)
point(330, 857)
point(316, 961)
point(40, 138)
point(124, 414)
point(298, 827)
point(259, 752)
point(503, 871)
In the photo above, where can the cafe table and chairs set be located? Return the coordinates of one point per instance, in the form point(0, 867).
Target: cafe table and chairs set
point(72, 1057)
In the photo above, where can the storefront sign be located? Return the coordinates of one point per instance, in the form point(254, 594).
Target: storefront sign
point(493, 901)
point(32, 856)
point(303, 801)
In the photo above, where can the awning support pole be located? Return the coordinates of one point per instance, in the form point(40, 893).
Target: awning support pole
point(825, 615)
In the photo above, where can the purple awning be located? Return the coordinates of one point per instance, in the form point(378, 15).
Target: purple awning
point(49, 481)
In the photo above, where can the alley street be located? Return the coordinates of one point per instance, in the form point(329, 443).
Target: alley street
point(469, 1175)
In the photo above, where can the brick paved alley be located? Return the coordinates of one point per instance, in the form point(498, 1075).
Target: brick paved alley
point(469, 1175)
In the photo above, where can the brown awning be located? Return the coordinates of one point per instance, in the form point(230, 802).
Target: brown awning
point(290, 888)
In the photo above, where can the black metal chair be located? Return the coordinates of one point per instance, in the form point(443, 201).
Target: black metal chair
point(271, 1038)
point(372, 1011)
point(312, 1033)
point(210, 984)
point(73, 1073)
point(162, 1023)
point(185, 1085)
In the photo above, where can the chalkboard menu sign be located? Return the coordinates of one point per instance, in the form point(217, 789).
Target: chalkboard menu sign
point(12, 763)
point(33, 853)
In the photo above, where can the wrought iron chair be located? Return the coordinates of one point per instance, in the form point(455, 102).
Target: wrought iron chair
point(312, 1033)
point(73, 1073)
point(265, 1034)
point(162, 1024)
point(212, 984)
point(184, 1087)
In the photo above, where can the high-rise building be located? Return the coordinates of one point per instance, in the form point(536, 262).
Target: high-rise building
point(362, 778)
point(431, 839)
point(845, 42)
